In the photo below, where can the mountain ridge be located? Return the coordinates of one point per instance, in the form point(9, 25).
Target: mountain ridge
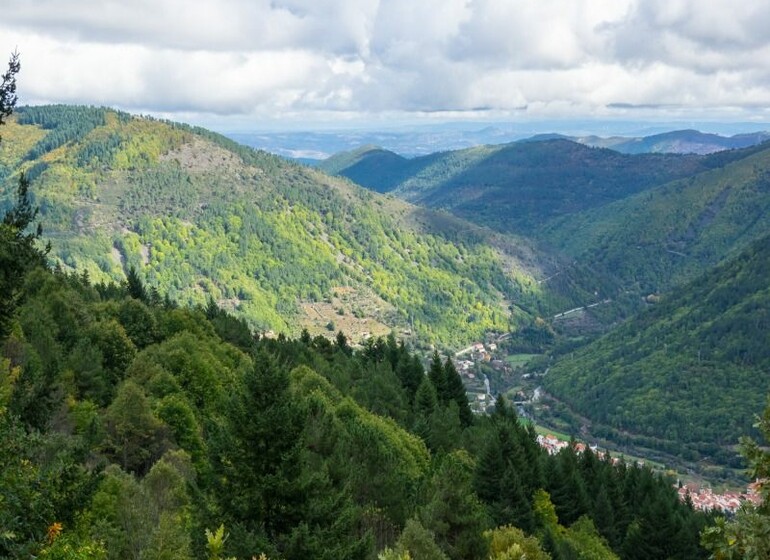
point(673, 232)
point(686, 375)
point(489, 184)
point(200, 216)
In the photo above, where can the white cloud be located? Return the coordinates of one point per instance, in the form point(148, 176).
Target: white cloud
point(266, 59)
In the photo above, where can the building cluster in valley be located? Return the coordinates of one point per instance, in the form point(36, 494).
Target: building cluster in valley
point(702, 498)
point(705, 499)
point(477, 384)
point(553, 445)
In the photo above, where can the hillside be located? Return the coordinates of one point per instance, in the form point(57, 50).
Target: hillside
point(672, 233)
point(516, 187)
point(685, 142)
point(370, 166)
point(673, 142)
point(278, 243)
point(687, 376)
point(130, 428)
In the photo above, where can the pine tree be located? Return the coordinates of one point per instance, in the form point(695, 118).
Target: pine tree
point(212, 310)
point(261, 460)
point(135, 286)
point(454, 513)
point(567, 489)
point(18, 252)
point(456, 392)
point(426, 400)
point(8, 95)
point(341, 343)
point(269, 491)
point(437, 377)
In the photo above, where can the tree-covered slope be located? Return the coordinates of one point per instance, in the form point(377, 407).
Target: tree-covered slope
point(198, 215)
point(688, 375)
point(129, 429)
point(674, 232)
point(370, 166)
point(687, 142)
point(521, 186)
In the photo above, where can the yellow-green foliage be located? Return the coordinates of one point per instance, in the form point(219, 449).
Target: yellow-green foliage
point(510, 543)
point(17, 140)
point(392, 448)
point(390, 554)
point(8, 375)
point(200, 217)
point(390, 462)
point(581, 539)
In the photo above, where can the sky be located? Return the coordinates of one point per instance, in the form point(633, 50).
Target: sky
point(251, 64)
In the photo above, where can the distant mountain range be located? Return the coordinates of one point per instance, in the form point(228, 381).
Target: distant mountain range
point(675, 142)
point(313, 146)
point(517, 187)
point(648, 220)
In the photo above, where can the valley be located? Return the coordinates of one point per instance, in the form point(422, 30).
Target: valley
point(649, 249)
point(201, 217)
point(617, 299)
point(388, 280)
point(288, 248)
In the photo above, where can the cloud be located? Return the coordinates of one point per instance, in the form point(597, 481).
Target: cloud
point(291, 59)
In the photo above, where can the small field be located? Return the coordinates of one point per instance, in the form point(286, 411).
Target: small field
point(520, 360)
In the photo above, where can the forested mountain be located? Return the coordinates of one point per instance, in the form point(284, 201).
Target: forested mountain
point(518, 187)
point(689, 375)
point(679, 142)
point(369, 166)
point(199, 216)
point(672, 233)
point(674, 142)
point(137, 422)
point(134, 429)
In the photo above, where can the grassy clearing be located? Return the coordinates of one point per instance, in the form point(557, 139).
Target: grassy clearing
point(520, 360)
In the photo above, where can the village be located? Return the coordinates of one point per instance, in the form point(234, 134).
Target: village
point(478, 365)
point(702, 498)
point(486, 372)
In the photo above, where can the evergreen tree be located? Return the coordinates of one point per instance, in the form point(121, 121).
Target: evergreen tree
point(444, 430)
point(341, 343)
point(455, 391)
point(393, 350)
point(410, 371)
point(503, 478)
point(211, 310)
point(8, 95)
point(426, 399)
point(305, 338)
point(438, 378)
point(18, 252)
point(567, 488)
point(269, 492)
point(261, 463)
point(454, 513)
point(135, 286)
